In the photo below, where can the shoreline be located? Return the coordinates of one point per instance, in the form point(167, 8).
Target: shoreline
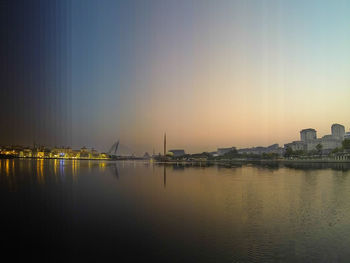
point(239, 161)
point(281, 161)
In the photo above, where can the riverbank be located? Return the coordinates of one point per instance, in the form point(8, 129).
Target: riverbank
point(51, 158)
point(225, 161)
point(281, 161)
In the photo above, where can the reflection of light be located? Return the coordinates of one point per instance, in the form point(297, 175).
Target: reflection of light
point(55, 167)
point(7, 167)
point(13, 166)
point(74, 169)
point(40, 170)
point(62, 167)
point(102, 166)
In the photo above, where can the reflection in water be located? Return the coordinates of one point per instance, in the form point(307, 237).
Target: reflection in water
point(55, 164)
point(89, 164)
point(318, 166)
point(75, 167)
point(247, 213)
point(178, 167)
point(164, 176)
point(102, 166)
point(40, 171)
point(61, 168)
point(114, 170)
point(7, 167)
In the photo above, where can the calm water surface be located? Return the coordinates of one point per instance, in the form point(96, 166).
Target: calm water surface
point(122, 211)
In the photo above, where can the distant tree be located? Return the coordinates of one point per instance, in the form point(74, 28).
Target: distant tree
point(336, 150)
point(206, 154)
point(299, 153)
point(201, 155)
point(289, 152)
point(253, 156)
point(269, 156)
point(319, 148)
point(312, 153)
point(231, 154)
point(346, 144)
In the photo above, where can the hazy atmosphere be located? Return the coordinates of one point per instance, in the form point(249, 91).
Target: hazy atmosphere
point(208, 73)
point(175, 130)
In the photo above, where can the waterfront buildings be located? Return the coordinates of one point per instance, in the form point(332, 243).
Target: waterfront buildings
point(222, 151)
point(274, 148)
point(338, 131)
point(308, 135)
point(309, 141)
point(177, 153)
point(296, 146)
point(55, 152)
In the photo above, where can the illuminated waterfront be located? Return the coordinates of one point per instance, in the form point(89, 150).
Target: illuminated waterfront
point(96, 209)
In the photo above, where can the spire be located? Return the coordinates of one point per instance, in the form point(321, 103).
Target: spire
point(164, 144)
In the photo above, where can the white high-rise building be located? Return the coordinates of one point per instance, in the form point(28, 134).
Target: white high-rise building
point(308, 135)
point(309, 141)
point(338, 131)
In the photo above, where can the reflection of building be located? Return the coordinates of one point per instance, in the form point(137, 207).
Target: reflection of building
point(177, 153)
point(222, 151)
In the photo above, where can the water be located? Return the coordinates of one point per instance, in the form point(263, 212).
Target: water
point(122, 211)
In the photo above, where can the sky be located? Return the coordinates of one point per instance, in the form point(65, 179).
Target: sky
point(208, 73)
point(35, 86)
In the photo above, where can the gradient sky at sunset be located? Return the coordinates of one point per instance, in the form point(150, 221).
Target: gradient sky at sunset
point(208, 73)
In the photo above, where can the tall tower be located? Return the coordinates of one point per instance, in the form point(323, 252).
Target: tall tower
point(164, 144)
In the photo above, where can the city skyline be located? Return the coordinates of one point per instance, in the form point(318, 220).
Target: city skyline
point(208, 73)
point(331, 141)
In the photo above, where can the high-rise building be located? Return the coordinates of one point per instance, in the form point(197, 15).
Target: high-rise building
point(308, 135)
point(338, 131)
